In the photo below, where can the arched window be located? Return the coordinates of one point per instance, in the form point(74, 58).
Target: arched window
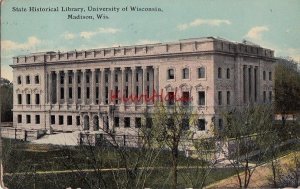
point(219, 72)
point(171, 74)
point(19, 80)
point(201, 72)
point(264, 75)
point(185, 73)
point(36, 79)
point(228, 73)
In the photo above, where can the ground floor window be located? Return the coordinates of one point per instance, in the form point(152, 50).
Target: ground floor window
point(201, 124)
point(53, 119)
point(60, 120)
point(19, 118)
point(69, 120)
point(126, 121)
point(37, 119)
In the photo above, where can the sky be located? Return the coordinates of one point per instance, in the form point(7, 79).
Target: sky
point(272, 24)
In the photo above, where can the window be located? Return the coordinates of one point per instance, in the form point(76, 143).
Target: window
point(228, 97)
point(201, 98)
point(219, 73)
point(62, 79)
point(28, 119)
point(228, 73)
point(19, 98)
point(97, 92)
point(36, 79)
point(70, 93)
point(28, 98)
point(148, 91)
point(87, 77)
point(265, 96)
point(116, 77)
point(126, 77)
point(19, 80)
point(201, 124)
point(126, 91)
point(106, 78)
point(126, 121)
point(138, 122)
point(62, 93)
point(220, 124)
point(19, 118)
point(77, 120)
point(185, 73)
point(270, 96)
point(170, 73)
point(60, 120)
point(185, 124)
point(137, 76)
point(137, 90)
point(201, 72)
point(69, 120)
point(97, 78)
point(148, 76)
point(78, 79)
point(149, 122)
point(220, 97)
point(27, 79)
point(37, 119)
point(171, 98)
point(37, 99)
point(185, 98)
point(79, 92)
point(87, 92)
point(70, 79)
point(117, 121)
point(264, 75)
point(52, 119)
point(106, 95)
point(270, 76)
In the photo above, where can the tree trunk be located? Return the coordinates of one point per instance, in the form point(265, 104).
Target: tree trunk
point(175, 163)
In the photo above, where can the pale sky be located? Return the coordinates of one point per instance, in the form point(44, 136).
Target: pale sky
point(270, 23)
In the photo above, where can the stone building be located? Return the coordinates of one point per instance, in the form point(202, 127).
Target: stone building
point(77, 90)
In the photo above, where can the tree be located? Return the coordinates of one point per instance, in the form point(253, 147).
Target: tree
point(248, 133)
point(172, 129)
point(287, 87)
point(6, 94)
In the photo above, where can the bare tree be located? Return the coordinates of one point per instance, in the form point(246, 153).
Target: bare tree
point(247, 134)
point(171, 130)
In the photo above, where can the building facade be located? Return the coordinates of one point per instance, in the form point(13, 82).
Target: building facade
point(112, 88)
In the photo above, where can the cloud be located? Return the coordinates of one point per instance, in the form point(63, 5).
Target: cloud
point(200, 21)
point(6, 72)
point(12, 45)
point(90, 34)
point(256, 32)
point(69, 36)
point(87, 35)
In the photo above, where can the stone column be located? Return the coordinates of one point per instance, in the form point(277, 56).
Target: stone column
point(83, 88)
point(156, 79)
point(66, 82)
point(50, 88)
point(75, 87)
point(102, 87)
point(253, 83)
point(111, 89)
point(57, 87)
point(144, 85)
point(122, 88)
point(133, 84)
point(93, 87)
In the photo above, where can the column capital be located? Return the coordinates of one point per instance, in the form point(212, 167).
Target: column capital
point(144, 67)
point(83, 70)
point(57, 72)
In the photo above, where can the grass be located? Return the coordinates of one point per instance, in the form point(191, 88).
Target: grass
point(28, 158)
